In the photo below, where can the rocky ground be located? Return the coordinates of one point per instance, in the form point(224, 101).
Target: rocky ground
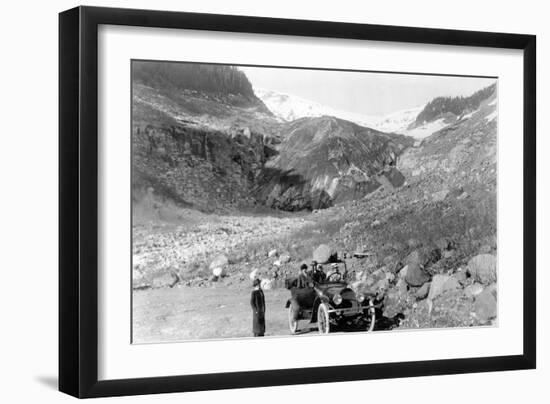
point(166, 254)
point(424, 280)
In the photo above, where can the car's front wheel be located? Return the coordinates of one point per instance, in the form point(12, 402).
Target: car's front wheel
point(371, 316)
point(292, 319)
point(323, 319)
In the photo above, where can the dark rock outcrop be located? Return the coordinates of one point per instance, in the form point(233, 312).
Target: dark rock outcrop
point(324, 161)
point(197, 167)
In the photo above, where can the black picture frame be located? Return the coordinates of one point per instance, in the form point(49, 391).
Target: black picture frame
point(78, 201)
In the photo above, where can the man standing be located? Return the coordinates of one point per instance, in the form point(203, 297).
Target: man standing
point(257, 301)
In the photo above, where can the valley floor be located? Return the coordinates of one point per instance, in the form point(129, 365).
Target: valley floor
point(187, 313)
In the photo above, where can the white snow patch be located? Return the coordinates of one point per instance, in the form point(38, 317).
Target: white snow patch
point(398, 121)
point(288, 107)
point(493, 102)
point(467, 116)
point(491, 116)
point(427, 129)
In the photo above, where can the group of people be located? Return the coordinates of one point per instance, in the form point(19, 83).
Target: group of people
point(307, 277)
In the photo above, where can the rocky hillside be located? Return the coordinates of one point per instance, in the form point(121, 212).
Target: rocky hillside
point(451, 109)
point(196, 144)
point(324, 161)
point(207, 78)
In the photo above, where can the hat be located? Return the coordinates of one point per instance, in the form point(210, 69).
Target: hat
point(256, 282)
point(304, 266)
point(313, 262)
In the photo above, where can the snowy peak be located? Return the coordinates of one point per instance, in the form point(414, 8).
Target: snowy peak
point(288, 107)
point(398, 121)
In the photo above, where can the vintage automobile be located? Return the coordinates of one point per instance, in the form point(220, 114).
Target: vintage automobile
point(331, 303)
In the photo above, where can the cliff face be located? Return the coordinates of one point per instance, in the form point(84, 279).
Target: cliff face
point(324, 161)
point(198, 167)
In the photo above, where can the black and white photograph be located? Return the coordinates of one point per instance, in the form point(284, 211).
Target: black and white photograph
point(275, 202)
point(280, 201)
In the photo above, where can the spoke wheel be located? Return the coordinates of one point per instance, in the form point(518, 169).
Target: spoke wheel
point(371, 316)
point(323, 319)
point(292, 322)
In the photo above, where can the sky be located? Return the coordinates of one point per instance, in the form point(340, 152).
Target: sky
point(363, 92)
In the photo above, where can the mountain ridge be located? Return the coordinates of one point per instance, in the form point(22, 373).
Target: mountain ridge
point(287, 107)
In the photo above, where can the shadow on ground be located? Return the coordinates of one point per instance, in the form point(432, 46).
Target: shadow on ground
point(48, 381)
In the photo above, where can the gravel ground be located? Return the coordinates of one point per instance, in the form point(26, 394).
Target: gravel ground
point(178, 314)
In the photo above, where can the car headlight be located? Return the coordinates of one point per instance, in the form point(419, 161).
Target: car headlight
point(360, 298)
point(337, 299)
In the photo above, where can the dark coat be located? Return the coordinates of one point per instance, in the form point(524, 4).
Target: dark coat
point(303, 280)
point(257, 302)
point(319, 276)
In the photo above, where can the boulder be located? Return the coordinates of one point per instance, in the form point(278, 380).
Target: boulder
point(485, 306)
point(266, 284)
point(394, 303)
point(323, 254)
point(473, 290)
point(423, 291)
point(403, 271)
point(424, 256)
point(272, 253)
point(401, 287)
point(163, 280)
point(219, 261)
point(416, 276)
point(381, 286)
point(277, 263)
point(219, 272)
point(441, 284)
point(284, 258)
point(483, 268)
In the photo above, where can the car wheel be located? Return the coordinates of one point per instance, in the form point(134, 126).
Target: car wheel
point(323, 319)
point(292, 319)
point(371, 316)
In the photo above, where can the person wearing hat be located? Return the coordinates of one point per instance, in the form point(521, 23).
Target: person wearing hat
point(335, 274)
point(319, 275)
point(257, 302)
point(303, 278)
